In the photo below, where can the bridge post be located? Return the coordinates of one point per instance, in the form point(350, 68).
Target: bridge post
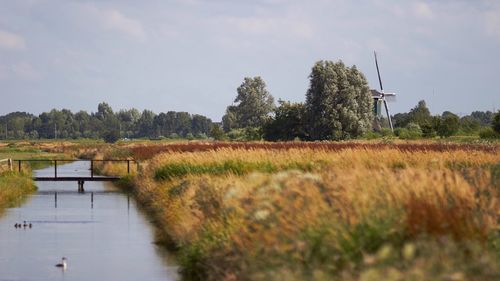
point(80, 186)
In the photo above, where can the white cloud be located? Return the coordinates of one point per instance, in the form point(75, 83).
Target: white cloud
point(11, 41)
point(422, 10)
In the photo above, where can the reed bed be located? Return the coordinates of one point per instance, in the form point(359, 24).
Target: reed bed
point(147, 151)
point(323, 213)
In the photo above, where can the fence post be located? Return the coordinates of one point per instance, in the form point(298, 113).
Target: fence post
point(10, 164)
point(91, 168)
point(19, 165)
point(128, 166)
point(55, 168)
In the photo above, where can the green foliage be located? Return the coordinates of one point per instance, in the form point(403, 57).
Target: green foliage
point(245, 134)
point(236, 167)
point(64, 124)
point(484, 118)
point(469, 125)
point(410, 132)
point(400, 120)
point(111, 136)
point(217, 133)
point(236, 134)
point(488, 133)
point(14, 187)
point(252, 134)
point(496, 122)
point(254, 105)
point(371, 135)
point(338, 102)
point(288, 122)
point(420, 114)
point(386, 132)
point(448, 125)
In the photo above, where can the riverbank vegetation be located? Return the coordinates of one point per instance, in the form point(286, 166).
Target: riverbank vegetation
point(326, 213)
point(14, 188)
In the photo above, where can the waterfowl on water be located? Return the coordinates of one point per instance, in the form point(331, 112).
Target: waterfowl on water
point(15, 225)
point(25, 224)
point(63, 263)
point(30, 225)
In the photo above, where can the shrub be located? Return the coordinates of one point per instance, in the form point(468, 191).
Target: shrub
point(410, 132)
point(386, 132)
point(488, 133)
point(111, 136)
point(370, 135)
point(448, 125)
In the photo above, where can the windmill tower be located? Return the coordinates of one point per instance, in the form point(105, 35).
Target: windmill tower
point(381, 98)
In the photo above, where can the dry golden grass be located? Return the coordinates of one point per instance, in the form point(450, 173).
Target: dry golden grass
point(317, 214)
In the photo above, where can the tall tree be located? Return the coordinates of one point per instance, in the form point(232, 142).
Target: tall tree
point(448, 124)
point(145, 124)
point(254, 103)
point(338, 103)
point(420, 114)
point(229, 119)
point(201, 125)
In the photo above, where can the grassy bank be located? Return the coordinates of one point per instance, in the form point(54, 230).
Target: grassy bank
point(314, 213)
point(14, 187)
point(22, 150)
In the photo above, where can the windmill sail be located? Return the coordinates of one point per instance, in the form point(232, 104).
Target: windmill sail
point(381, 98)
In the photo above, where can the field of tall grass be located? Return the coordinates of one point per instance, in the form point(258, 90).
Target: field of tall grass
point(324, 212)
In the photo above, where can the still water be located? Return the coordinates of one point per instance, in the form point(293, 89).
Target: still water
point(107, 240)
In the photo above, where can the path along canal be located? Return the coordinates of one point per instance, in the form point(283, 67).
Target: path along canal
point(109, 239)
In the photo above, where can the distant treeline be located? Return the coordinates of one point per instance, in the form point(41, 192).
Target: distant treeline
point(104, 123)
point(338, 105)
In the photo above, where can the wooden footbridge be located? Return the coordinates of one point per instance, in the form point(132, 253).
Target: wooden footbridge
point(79, 179)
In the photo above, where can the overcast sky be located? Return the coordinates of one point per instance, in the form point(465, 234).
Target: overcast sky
point(191, 55)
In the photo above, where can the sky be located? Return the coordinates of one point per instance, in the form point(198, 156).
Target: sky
point(191, 55)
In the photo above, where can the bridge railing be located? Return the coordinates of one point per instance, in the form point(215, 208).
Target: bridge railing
point(92, 162)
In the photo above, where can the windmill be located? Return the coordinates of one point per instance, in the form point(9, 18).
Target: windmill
point(382, 97)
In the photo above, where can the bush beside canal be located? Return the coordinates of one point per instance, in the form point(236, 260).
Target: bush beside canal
point(14, 187)
point(313, 214)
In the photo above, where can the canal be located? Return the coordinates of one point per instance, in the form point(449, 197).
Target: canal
point(107, 239)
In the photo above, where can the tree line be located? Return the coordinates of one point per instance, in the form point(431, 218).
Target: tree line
point(338, 105)
point(105, 124)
